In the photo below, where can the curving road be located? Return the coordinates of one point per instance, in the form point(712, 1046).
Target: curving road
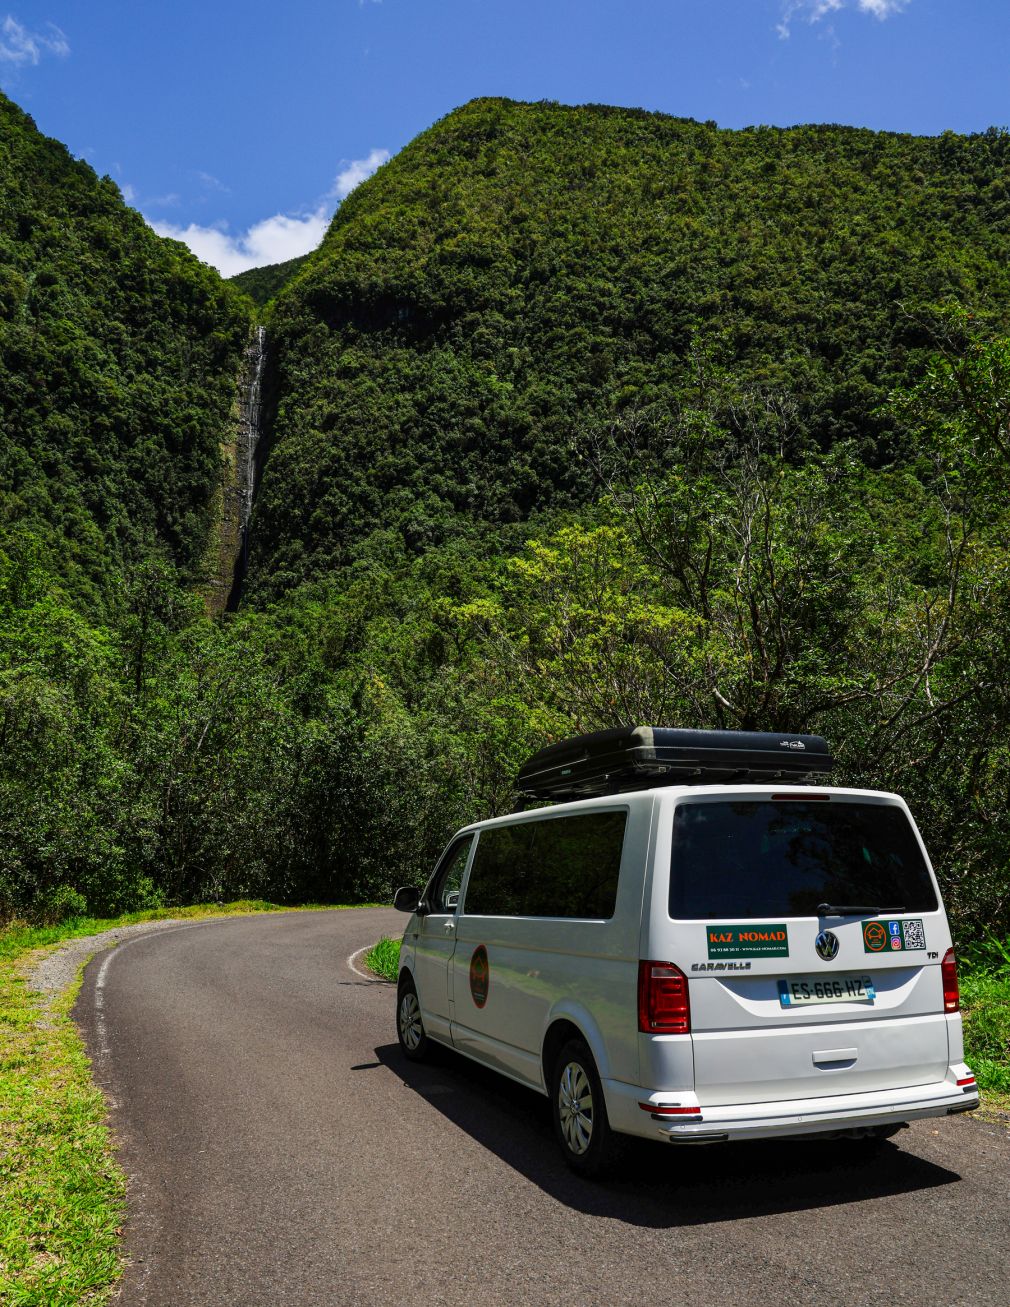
point(280, 1152)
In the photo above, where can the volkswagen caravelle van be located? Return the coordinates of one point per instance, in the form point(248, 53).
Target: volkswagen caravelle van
point(692, 960)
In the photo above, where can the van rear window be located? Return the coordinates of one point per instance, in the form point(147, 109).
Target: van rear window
point(556, 867)
point(764, 859)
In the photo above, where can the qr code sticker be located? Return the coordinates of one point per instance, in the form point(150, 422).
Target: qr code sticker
point(915, 935)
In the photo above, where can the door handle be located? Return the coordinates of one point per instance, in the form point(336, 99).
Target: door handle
point(450, 925)
point(835, 1059)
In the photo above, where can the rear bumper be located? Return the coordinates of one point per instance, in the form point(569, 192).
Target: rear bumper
point(799, 1116)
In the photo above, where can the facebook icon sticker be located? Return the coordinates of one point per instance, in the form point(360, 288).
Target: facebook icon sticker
point(894, 927)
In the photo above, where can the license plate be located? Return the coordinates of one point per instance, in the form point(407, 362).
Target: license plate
point(802, 991)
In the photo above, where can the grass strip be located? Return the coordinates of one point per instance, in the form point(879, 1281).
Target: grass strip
point(384, 958)
point(61, 1193)
point(985, 1007)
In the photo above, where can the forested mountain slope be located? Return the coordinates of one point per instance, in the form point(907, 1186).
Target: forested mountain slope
point(262, 284)
point(118, 357)
point(618, 419)
point(521, 271)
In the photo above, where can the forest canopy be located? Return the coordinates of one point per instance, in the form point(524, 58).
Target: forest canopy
point(118, 354)
point(579, 417)
point(522, 272)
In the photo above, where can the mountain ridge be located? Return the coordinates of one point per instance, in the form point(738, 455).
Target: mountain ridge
point(578, 418)
point(520, 272)
point(118, 351)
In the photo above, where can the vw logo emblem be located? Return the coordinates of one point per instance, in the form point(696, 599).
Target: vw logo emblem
point(826, 945)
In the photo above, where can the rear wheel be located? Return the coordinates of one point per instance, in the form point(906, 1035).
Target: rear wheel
point(414, 1043)
point(580, 1114)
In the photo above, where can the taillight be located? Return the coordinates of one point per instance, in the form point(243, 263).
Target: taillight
point(948, 972)
point(664, 1007)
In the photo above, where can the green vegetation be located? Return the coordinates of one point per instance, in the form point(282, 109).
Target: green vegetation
point(262, 284)
point(118, 354)
point(384, 958)
point(61, 1193)
point(985, 1000)
point(173, 759)
point(582, 417)
point(714, 583)
point(148, 756)
point(521, 273)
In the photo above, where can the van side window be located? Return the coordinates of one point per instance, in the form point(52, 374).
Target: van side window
point(556, 867)
point(448, 877)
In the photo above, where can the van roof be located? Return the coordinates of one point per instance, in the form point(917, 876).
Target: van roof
point(673, 793)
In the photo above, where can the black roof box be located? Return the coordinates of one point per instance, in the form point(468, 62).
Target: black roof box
point(638, 757)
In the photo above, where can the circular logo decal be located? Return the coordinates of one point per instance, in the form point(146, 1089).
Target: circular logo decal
point(480, 975)
point(826, 945)
point(875, 936)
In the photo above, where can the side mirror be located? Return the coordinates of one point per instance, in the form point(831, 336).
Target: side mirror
point(407, 898)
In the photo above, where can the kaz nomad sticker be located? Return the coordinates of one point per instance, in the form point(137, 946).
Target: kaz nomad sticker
point(480, 975)
point(750, 941)
point(893, 936)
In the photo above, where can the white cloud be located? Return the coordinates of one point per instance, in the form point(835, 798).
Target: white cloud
point(814, 10)
point(212, 183)
point(128, 192)
point(274, 240)
point(355, 171)
point(882, 8)
point(18, 45)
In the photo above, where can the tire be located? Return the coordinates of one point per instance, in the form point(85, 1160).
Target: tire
point(414, 1043)
point(589, 1145)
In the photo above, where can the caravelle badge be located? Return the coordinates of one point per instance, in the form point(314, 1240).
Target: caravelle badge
point(826, 945)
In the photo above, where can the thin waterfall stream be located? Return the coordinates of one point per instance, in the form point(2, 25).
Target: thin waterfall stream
point(250, 431)
point(229, 551)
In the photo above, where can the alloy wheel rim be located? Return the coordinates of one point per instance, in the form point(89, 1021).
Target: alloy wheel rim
point(410, 1022)
point(575, 1108)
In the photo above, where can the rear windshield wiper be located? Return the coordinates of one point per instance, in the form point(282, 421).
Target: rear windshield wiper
point(847, 910)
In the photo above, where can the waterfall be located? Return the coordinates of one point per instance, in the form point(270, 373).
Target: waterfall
point(228, 548)
point(250, 430)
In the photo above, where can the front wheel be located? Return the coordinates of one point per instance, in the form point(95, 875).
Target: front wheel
point(580, 1114)
point(414, 1043)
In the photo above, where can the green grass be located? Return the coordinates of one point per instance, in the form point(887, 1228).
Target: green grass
point(61, 1192)
point(985, 1006)
point(384, 958)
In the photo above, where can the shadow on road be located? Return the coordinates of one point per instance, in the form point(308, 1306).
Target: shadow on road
point(659, 1185)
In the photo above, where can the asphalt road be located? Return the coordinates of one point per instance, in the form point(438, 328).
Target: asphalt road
point(281, 1152)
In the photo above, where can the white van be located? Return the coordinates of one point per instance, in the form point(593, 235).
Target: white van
point(692, 963)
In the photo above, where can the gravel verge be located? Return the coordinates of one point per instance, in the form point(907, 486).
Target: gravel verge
point(50, 974)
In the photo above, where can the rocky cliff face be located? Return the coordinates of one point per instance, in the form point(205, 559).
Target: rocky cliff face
point(230, 540)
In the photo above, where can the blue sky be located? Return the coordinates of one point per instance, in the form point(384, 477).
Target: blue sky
point(240, 126)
